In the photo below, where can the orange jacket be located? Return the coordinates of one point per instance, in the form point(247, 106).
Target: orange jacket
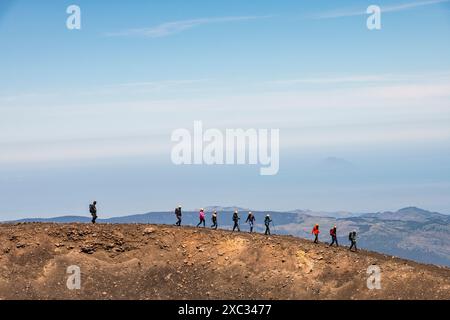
point(315, 231)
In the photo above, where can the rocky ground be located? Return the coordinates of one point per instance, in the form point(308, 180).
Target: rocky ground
point(134, 261)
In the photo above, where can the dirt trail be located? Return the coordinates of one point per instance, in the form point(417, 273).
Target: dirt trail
point(163, 262)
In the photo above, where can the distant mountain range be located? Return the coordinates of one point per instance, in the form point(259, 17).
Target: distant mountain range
point(335, 214)
point(410, 233)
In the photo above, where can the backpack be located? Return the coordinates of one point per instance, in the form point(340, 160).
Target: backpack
point(350, 236)
point(331, 232)
point(92, 209)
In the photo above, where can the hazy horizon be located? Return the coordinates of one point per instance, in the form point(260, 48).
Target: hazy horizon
point(242, 210)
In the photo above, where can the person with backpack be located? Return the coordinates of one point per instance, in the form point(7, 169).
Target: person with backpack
point(214, 220)
point(352, 238)
point(315, 231)
point(333, 234)
point(93, 211)
point(250, 220)
point(236, 221)
point(202, 218)
point(178, 215)
point(267, 222)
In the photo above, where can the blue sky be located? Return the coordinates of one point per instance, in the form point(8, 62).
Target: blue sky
point(87, 114)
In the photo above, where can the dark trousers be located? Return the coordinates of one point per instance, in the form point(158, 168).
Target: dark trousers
point(94, 217)
point(267, 230)
point(214, 225)
point(334, 240)
point(178, 221)
point(316, 239)
point(236, 225)
point(353, 245)
point(201, 221)
point(251, 226)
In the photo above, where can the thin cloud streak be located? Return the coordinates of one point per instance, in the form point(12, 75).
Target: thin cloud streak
point(109, 89)
point(333, 80)
point(391, 8)
point(170, 28)
point(364, 79)
point(164, 83)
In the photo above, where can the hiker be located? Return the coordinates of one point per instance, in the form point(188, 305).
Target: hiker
point(315, 231)
point(93, 211)
point(250, 220)
point(236, 221)
point(178, 215)
point(202, 218)
point(333, 234)
point(267, 222)
point(214, 220)
point(352, 238)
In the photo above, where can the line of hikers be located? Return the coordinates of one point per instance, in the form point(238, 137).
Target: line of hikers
point(250, 220)
point(333, 234)
point(267, 221)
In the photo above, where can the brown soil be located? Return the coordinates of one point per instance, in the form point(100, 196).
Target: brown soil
point(167, 262)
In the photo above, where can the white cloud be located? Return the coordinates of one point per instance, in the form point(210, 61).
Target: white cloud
point(336, 80)
point(157, 84)
point(104, 90)
point(390, 8)
point(169, 28)
point(367, 79)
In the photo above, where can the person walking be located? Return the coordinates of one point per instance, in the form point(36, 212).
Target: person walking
point(202, 218)
point(236, 221)
point(250, 220)
point(333, 234)
point(214, 220)
point(93, 211)
point(178, 215)
point(352, 238)
point(315, 231)
point(267, 222)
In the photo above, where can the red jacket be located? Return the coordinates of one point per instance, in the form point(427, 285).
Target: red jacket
point(315, 231)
